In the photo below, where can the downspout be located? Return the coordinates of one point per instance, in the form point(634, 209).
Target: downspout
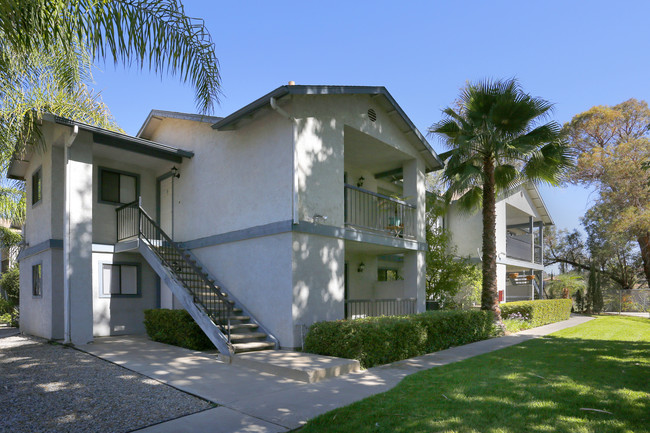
point(66, 236)
point(294, 184)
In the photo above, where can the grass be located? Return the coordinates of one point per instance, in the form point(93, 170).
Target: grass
point(542, 385)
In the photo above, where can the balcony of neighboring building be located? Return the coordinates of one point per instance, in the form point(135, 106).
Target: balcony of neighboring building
point(523, 237)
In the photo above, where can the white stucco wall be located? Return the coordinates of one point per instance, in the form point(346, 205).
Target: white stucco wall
point(258, 273)
point(236, 180)
point(38, 227)
point(318, 280)
point(320, 149)
point(117, 315)
point(361, 284)
point(42, 316)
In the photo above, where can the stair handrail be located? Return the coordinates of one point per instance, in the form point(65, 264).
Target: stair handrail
point(137, 204)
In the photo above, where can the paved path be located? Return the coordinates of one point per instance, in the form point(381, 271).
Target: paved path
point(250, 401)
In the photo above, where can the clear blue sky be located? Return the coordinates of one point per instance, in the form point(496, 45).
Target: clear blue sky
point(575, 54)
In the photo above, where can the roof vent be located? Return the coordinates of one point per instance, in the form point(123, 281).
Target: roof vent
point(292, 83)
point(372, 114)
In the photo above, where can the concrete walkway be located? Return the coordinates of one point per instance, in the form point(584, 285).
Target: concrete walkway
point(250, 401)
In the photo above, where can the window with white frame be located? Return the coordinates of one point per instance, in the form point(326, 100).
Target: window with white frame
point(119, 279)
point(37, 280)
point(117, 187)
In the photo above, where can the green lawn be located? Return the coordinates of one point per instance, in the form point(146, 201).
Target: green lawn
point(542, 385)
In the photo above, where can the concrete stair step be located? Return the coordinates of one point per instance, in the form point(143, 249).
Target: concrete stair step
point(237, 337)
point(241, 326)
point(252, 346)
point(237, 318)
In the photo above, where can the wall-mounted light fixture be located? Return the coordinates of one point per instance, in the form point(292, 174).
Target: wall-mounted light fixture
point(361, 267)
point(360, 182)
point(175, 172)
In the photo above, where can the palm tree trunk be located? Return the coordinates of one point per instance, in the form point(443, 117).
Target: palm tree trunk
point(489, 295)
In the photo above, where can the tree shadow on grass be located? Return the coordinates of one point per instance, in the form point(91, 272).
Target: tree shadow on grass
point(539, 386)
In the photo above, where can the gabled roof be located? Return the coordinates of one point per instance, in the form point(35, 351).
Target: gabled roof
point(108, 138)
point(425, 148)
point(538, 201)
point(155, 116)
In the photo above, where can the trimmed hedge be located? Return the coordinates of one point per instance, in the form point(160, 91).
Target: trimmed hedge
point(175, 327)
point(540, 312)
point(380, 340)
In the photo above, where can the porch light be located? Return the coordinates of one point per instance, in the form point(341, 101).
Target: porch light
point(360, 182)
point(361, 267)
point(175, 172)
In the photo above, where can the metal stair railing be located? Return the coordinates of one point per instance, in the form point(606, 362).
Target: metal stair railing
point(134, 222)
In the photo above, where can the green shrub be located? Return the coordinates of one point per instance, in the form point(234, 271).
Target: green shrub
point(380, 340)
point(10, 285)
point(8, 312)
point(175, 327)
point(538, 313)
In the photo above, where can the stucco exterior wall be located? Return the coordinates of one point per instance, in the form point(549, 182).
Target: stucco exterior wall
point(258, 273)
point(42, 316)
point(466, 231)
point(38, 227)
point(236, 180)
point(320, 149)
point(361, 284)
point(318, 280)
point(117, 315)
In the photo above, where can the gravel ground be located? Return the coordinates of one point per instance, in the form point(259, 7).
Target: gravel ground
point(47, 387)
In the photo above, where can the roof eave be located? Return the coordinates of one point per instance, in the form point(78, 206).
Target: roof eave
point(228, 122)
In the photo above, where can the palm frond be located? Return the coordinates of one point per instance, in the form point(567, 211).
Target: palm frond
point(156, 33)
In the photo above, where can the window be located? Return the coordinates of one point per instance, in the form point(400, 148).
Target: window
point(119, 279)
point(385, 274)
point(117, 187)
point(37, 186)
point(37, 280)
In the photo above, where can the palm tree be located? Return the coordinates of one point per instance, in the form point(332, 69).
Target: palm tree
point(153, 33)
point(47, 48)
point(497, 140)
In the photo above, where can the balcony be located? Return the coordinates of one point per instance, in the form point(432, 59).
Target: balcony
point(375, 212)
point(520, 247)
point(359, 308)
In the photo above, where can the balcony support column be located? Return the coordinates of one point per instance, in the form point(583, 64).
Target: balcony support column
point(414, 278)
point(415, 194)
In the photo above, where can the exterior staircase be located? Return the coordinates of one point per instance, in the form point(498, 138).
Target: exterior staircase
point(226, 323)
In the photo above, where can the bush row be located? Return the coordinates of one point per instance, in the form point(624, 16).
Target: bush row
point(380, 340)
point(175, 327)
point(538, 313)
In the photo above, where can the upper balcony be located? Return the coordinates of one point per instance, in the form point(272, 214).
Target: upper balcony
point(523, 236)
point(376, 212)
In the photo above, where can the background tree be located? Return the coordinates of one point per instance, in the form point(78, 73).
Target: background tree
point(615, 256)
point(498, 139)
point(450, 280)
point(613, 146)
point(569, 283)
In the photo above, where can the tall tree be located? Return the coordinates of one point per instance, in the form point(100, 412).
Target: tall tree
point(153, 33)
point(498, 139)
point(613, 146)
point(31, 83)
